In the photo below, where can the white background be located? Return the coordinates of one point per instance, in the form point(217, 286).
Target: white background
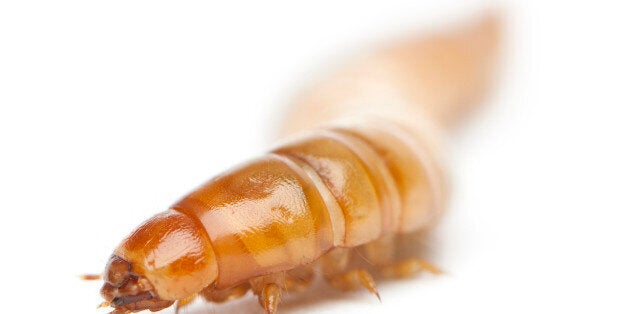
point(110, 111)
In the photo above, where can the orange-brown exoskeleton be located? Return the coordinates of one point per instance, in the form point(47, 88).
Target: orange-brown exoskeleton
point(363, 170)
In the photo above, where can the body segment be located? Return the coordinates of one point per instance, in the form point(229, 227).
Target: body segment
point(263, 217)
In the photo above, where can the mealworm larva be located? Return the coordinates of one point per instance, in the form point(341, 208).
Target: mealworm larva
point(363, 170)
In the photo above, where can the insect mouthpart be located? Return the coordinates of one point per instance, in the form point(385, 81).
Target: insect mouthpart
point(126, 291)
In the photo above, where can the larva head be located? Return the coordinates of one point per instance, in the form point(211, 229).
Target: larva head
point(168, 257)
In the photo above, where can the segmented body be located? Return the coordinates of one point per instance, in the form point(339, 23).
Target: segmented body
point(347, 183)
point(334, 188)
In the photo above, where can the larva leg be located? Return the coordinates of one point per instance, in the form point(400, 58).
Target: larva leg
point(411, 247)
point(355, 279)
point(381, 254)
point(218, 296)
point(269, 297)
point(334, 265)
point(269, 290)
point(409, 267)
